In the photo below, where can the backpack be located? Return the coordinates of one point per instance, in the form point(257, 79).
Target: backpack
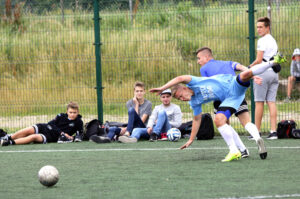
point(206, 130)
point(93, 127)
point(296, 133)
point(285, 128)
point(116, 124)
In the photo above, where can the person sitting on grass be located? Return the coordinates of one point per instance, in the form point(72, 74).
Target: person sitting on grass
point(163, 118)
point(228, 89)
point(295, 73)
point(139, 110)
point(60, 129)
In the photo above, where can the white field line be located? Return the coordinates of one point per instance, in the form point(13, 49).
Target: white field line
point(132, 149)
point(296, 195)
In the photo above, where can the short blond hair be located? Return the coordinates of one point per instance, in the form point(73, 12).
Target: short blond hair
point(175, 88)
point(73, 105)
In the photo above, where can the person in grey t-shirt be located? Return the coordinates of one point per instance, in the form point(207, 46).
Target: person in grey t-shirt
point(164, 117)
point(139, 110)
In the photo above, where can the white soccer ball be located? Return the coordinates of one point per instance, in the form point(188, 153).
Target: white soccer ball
point(173, 134)
point(48, 175)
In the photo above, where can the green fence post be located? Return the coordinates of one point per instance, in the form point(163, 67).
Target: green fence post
point(251, 50)
point(98, 60)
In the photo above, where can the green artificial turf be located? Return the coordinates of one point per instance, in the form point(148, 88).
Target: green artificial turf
point(150, 170)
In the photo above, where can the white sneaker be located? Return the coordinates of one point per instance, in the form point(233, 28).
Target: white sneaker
point(126, 139)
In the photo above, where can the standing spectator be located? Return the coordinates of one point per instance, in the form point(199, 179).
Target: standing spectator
point(295, 73)
point(164, 117)
point(139, 110)
point(267, 91)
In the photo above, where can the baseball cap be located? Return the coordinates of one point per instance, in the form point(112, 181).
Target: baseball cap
point(296, 52)
point(167, 91)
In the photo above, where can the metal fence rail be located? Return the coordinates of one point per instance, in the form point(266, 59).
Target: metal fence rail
point(47, 56)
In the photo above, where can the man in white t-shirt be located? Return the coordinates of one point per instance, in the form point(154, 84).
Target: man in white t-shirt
point(267, 91)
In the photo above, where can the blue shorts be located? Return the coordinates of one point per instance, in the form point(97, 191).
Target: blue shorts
point(236, 95)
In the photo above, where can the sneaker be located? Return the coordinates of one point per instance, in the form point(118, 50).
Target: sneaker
point(272, 136)
point(4, 142)
point(279, 58)
point(288, 99)
point(127, 139)
point(153, 137)
point(232, 156)
point(245, 153)
point(78, 138)
point(100, 139)
point(261, 148)
point(2, 134)
point(64, 139)
point(186, 135)
point(252, 138)
point(163, 137)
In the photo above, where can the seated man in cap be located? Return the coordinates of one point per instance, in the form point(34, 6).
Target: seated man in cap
point(295, 73)
point(164, 117)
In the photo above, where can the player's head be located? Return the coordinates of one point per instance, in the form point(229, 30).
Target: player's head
point(263, 26)
point(139, 90)
point(296, 55)
point(204, 54)
point(166, 97)
point(72, 110)
point(182, 93)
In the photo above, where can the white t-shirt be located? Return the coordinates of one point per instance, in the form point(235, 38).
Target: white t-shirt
point(268, 45)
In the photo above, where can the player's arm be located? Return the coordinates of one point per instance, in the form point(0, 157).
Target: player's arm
point(144, 118)
point(259, 58)
point(195, 128)
point(240, 67)
point(177, 80)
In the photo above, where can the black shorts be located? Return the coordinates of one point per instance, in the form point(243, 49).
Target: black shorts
point(243, 107)
point(46, 131)
point(297, 79)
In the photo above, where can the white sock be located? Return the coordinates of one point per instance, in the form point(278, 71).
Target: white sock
point(226, 133)
point(252, 129)
point(237, 140)
point(260, 68)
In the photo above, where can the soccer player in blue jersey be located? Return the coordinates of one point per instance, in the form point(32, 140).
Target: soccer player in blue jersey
point(211, 67)
point(228, 89)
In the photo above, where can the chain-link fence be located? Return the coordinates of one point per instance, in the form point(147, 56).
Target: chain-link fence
point(47, 56)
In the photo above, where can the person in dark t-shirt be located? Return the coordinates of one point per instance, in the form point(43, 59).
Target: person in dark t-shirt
point(60, 129)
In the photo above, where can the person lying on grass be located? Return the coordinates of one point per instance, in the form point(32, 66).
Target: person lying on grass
point(60, 129)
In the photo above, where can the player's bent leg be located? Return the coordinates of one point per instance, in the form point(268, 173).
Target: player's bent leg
point(220, 119)
point(259, 108)
point(239, 143)
point(37, 138)
point(23, 133)
point(261, 148)
point(244, 118)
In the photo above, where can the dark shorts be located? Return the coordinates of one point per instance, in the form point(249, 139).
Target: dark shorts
point(46, 131)
point(243, 107)
point(297, 79)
